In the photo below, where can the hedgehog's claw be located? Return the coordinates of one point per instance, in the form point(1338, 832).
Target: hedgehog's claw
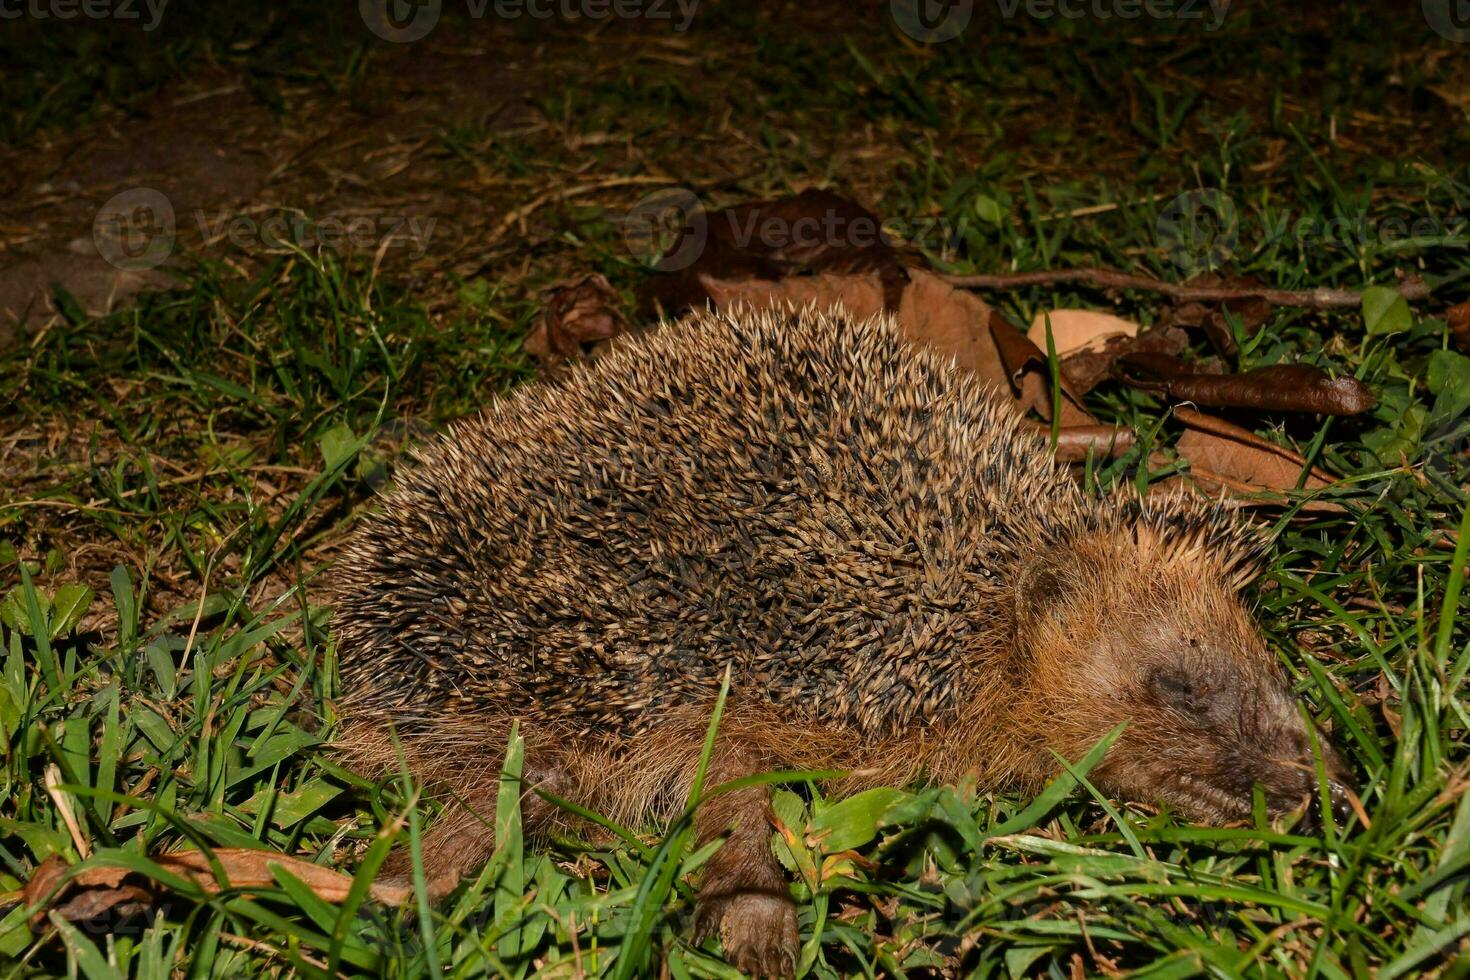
point(757, 929)
point(707, 915)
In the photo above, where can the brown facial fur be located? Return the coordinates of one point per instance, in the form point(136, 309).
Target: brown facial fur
point(901, 581)
point(1137, 629)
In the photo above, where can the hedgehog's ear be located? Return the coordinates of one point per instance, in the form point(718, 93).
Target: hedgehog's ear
point(1040, 589)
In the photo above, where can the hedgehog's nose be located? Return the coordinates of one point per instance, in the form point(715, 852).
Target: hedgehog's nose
point(1339, 798)
point(1340, 795)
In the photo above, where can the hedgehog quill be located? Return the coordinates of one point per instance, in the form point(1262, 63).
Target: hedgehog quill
point(901, 581)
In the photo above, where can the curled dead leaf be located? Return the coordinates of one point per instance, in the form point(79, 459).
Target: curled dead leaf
point(1028, 375)
point(250, 868)
point(577, 313)
point(1087, 368)
point(1250, 312)
point(1276, 387)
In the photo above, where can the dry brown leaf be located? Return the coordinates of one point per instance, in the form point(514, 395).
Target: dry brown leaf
point(250, 868)
point(1251, 312)
point(954, 322)
point(1026, 370)
point(1086, 369)
point(1077, 331)
point(814, 232)
point(1224, 456)
point(1458, 318)
point(861, 296)
point(1275, 387)
point(108, 890)
point(578, 313)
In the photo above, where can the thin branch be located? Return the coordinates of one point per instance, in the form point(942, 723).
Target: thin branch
point(1412, 289)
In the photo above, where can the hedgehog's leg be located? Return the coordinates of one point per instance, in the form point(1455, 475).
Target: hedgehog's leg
point(455, 844)
point(463, 837)
point(743, 891)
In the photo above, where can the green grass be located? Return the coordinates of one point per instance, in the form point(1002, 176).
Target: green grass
point(179, 472)
point(63, 73)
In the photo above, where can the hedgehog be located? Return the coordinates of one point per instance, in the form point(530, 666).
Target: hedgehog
point(900, 581)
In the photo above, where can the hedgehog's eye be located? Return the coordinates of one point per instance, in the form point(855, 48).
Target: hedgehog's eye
point(1175, 687)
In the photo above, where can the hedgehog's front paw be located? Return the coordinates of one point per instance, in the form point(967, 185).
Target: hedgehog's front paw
point(757, 929)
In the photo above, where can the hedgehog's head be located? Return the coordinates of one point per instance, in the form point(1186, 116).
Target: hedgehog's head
point(1143, 622)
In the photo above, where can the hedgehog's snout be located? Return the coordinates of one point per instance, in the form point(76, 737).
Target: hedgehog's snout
point(1290, 773)
point(1339, 784)
point(1237, 729)
point(1341, 799)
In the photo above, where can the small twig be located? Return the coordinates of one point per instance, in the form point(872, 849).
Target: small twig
point(94, 505)
point(194, 629)
point(1092, 209)
point(63, 806)
point(1411, 289)
point(562, 193)
point(274, 952)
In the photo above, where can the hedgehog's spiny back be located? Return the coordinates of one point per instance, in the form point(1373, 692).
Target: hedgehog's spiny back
point(800, 495)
